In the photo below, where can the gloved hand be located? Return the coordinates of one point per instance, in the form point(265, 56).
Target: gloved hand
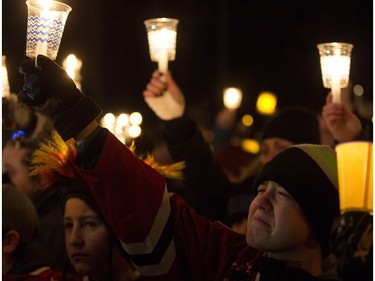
point(49, 90)
point(164, 96)
point(351, 240)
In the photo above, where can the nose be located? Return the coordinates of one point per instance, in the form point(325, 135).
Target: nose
point(74, 237)
point(263, 201)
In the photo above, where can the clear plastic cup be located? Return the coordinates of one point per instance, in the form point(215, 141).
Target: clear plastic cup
point(45, 27)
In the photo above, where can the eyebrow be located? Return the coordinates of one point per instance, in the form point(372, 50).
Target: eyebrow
point(84, 217)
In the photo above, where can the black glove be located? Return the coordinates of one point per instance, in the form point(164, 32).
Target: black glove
point(351, 239)
point(49, 90)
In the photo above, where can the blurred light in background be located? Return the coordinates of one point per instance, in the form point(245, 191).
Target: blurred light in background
point(232, 97)
point(135, 118)
point(73, 66)
point(266, 103)
point(5, 88)
point(247, 120)
point(124, 126)
point(358, 90)
point(250, 145)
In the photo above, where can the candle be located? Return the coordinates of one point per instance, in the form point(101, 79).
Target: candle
point(45, 25)
point(163, 61)
point(162, 35)
point(335, 66)
point(162, 47)
point(335, 71)
point(43, 29)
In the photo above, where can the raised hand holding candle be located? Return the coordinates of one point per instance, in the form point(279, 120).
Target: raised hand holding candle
point(335, 66)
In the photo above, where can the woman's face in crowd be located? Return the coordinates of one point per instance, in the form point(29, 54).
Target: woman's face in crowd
point(87, 239)
point(272, 146)
point(276, 223)
point(15, 167)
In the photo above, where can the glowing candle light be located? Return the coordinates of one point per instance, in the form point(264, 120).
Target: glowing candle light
point(161, 33)
point(45, 25)
point(335, 66)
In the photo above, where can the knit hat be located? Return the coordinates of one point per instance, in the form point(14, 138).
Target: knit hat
point(295, 124)
point(78, 188)
point(19, 213)
point(309, 173)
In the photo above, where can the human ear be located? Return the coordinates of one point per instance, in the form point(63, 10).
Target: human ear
point(11, 240)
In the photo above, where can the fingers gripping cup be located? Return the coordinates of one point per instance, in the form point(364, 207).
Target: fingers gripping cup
point(45, 25)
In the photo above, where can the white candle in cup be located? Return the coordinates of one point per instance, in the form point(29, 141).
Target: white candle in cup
point(335, 66)
point(162, 47)
point(45, 25)
point(45, 17)
point(161, 33)
point(335, 70)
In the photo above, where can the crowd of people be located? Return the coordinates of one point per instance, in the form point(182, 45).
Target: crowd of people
point(96, 211)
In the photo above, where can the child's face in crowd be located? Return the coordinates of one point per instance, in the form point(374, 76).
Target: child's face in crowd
point(276, 223)
point(272, 146)
point(87, 239)
point(18, 172)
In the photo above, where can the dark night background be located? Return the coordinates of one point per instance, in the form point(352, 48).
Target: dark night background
point(255, 45)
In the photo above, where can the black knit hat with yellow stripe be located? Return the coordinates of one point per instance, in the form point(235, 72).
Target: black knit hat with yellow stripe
point(309, 173)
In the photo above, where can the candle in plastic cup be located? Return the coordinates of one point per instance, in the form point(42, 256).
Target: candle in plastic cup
point(161, 33)
point(45, 26)
point(335, 66)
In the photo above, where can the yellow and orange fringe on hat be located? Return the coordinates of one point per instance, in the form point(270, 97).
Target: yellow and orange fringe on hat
point(55, 158)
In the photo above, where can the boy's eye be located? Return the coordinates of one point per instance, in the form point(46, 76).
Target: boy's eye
point(284, 194)
point(68, 225)
point(90, 223)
